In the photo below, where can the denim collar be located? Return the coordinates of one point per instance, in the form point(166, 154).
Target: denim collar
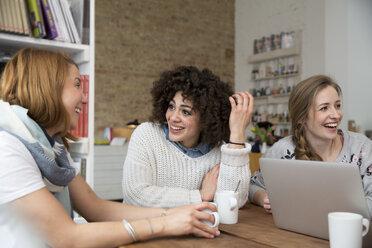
point(50, 139)
point(193, 152)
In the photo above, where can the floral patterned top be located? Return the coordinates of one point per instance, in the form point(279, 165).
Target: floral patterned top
point(356, 150)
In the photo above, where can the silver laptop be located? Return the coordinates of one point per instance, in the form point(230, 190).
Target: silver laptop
point(302, 193)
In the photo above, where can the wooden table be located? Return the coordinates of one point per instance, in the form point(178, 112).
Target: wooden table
point(255, 229)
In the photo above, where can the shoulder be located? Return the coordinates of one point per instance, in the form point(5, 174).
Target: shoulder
point(356, 138)
point(16, 164)
point(148, 127)
point(148, 133)
point(9, 142)
point(284, 149)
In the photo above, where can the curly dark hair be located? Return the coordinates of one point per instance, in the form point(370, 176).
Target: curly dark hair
point(209, 95)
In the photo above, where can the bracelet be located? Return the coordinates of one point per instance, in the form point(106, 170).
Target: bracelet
point(165, 212)
point(234, 143)
point(152, 229)
point(130, 230)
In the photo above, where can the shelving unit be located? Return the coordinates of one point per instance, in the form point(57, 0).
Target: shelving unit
point(276, 77)
point(272, 101)
point(83, 55)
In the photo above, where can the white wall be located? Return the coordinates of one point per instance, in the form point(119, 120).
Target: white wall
point(349, 54)
point(337, 41)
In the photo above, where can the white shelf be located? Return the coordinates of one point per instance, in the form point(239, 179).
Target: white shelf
point(80, 147)
point(13, 43)
point(280, 53)
point(272, 99)
point(276, 77)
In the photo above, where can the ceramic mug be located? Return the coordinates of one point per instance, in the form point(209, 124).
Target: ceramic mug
point(227, 206)
point(216, 218)
point(346, 230)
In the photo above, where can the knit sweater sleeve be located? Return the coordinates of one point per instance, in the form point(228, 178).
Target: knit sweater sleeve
point(283, 149)
point(140, 173)
point(234, 167)
point(364, 160)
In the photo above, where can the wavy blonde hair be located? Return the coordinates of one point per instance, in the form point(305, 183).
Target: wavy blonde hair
point(300, 102)
point(34, 79)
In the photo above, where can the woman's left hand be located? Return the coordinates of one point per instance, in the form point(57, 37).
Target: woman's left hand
point(240, 116)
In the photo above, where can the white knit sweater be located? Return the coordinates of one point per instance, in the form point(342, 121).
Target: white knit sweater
point(158, 174)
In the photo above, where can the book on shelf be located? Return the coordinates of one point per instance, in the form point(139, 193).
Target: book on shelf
point(24, 17)
point(36, 18)
point(49, 19)
point(81, 164)
point(14, 18)
point(86, 106)
point(70, 23)
point(2, 17)
point(50, 25)
point(83, 168)
point(9, 27)
point(59, 21)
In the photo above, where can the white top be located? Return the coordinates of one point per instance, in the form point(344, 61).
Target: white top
point(19, 173)
point(158, 174)
point(19, 176)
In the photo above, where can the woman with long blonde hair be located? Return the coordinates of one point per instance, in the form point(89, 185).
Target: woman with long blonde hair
point(315, 112)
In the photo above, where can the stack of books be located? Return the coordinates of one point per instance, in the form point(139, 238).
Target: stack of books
point(49, 19)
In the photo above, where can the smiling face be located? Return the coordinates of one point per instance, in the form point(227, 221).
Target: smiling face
point(324, 116)
point(72, 95)
point(183, 121)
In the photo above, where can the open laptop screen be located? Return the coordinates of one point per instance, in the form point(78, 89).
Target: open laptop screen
point(302, 193)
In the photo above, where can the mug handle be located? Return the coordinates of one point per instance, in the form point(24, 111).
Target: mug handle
point(216, 219)
point(233, 203)
point(365, 223)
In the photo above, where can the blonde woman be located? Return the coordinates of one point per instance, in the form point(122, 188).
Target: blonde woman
point(316, 114)
point(39, 186)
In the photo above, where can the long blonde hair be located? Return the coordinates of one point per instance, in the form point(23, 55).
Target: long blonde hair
point(300, 102)
point(34, 79)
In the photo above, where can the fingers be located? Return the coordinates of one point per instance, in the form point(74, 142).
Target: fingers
point(203, 229)
point(205, 205)
point(215, 170)
point(267, 205)
point(242, 99)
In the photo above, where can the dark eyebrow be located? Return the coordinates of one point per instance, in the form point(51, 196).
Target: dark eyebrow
point(183, 105)
point(186, 106)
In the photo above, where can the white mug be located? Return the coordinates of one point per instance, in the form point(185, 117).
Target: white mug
point(227, 206)
point(346, 230)
point(216, 219)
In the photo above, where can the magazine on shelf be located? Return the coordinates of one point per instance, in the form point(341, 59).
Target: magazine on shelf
point(77, 11)
point(59, 21)
point(69, 21)
point(50, 24)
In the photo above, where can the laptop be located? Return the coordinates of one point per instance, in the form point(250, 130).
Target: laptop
point(302, 193)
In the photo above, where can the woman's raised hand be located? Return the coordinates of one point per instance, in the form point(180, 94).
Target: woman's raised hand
point(187, 220)
point(240, 116)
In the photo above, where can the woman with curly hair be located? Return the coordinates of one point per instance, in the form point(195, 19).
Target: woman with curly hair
point(194, 145)
point(315, 112)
